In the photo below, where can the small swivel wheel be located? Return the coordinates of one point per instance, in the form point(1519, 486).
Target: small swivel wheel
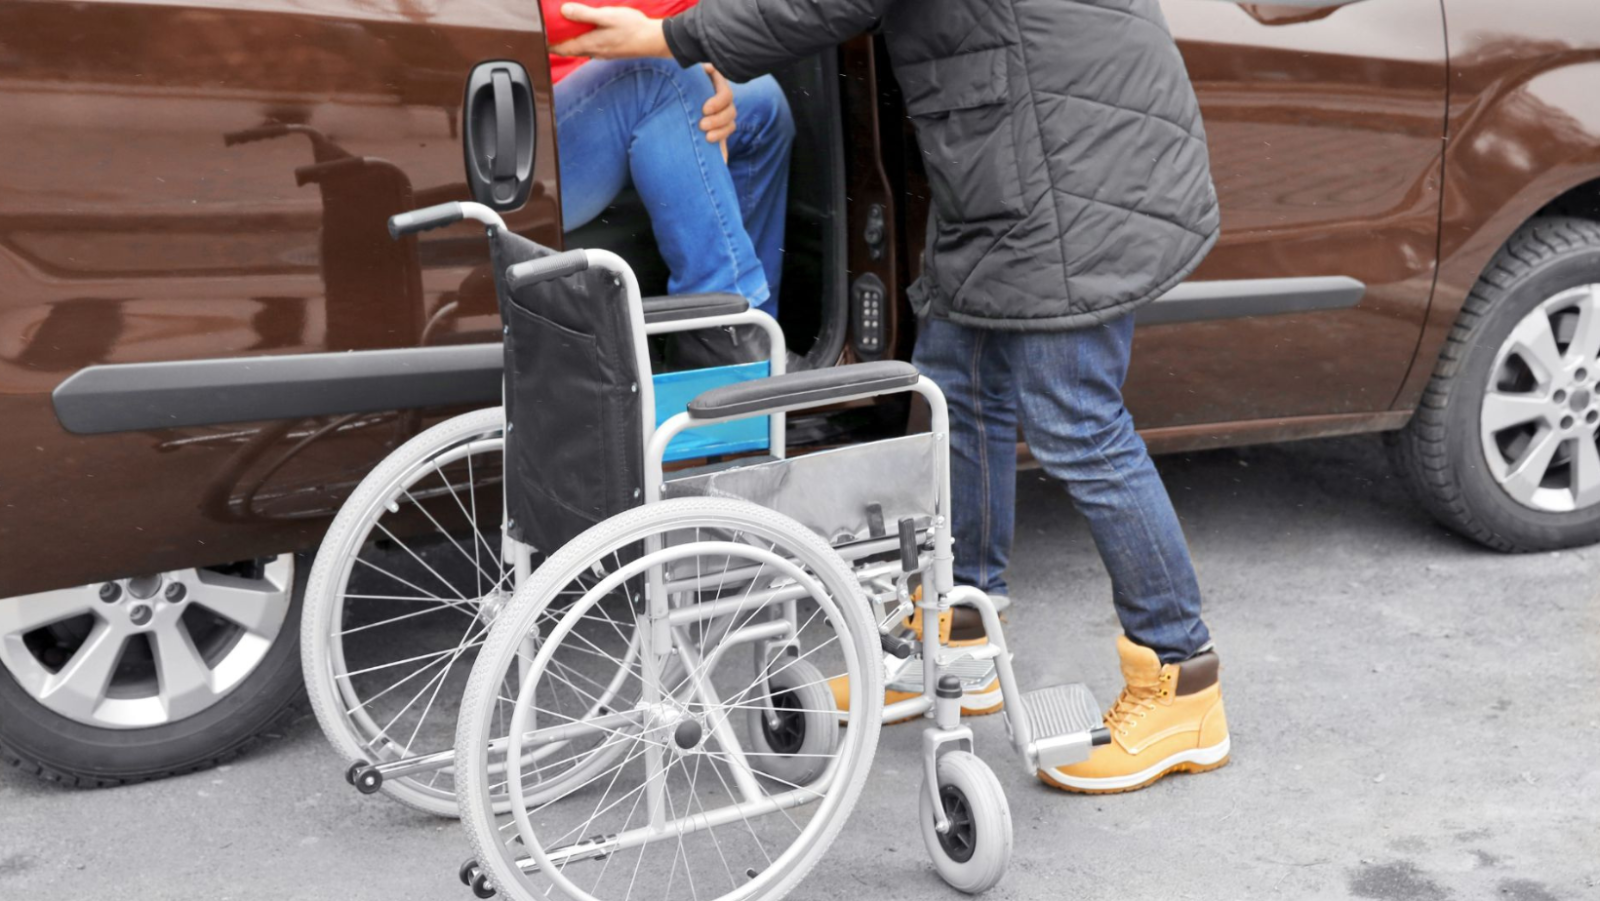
point(481, 886)
point(365, 777)
point(793, 740)
point(972, 855)
point(469, 869)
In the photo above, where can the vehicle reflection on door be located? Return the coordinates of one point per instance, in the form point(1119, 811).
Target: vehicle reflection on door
point(373, 299)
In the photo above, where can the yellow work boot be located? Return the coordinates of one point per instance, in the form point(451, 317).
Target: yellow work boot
point(1168, 719)
point(958, 627)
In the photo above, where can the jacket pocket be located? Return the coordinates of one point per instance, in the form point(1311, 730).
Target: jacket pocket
point(961, 106)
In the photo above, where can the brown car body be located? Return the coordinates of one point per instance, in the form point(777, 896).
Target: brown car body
point(210, 180)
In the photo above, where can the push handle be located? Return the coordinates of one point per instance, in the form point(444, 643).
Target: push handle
point(544, 269)
point(401, 224)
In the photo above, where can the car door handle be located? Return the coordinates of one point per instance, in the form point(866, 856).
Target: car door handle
point(499, 134)
point(505, 127)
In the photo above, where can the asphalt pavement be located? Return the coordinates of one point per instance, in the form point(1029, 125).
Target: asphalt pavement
point(1413, 717)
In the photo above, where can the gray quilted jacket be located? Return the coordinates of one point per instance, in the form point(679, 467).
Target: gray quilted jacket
point(1062, 140)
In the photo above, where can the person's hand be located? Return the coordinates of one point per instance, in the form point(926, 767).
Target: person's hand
point(720, 117)
point(620, 32)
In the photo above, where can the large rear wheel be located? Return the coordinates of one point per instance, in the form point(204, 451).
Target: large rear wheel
point(712, 609)
point(409, 576)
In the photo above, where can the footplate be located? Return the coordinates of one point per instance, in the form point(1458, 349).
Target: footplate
point(976, 674)
point(1064, 722)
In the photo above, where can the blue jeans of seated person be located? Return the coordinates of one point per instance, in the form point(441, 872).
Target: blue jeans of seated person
point(719, 225)
point(1065, 388)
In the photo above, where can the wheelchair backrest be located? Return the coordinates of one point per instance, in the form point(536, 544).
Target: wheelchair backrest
point(574, 445)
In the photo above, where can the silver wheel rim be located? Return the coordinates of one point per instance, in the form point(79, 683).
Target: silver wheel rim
point(417, 683)
point(144, 651)
point(1541, 412)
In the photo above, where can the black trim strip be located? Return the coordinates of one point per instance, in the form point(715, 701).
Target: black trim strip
point(138, 396)
point(135, 397)
point(1235, 299)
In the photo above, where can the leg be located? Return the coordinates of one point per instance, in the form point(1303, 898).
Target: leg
point(1070, 384)
point(758, 158)
point(972, 367)
point(637, 120)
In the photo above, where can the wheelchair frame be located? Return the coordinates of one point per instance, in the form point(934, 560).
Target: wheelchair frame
point(925, 552)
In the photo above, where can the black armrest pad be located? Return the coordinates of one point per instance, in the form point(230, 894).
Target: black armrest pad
point(816, 386)
point(678, 307)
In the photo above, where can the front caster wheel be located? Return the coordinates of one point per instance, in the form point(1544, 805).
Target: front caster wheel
point(972, 855)
point(796, 742)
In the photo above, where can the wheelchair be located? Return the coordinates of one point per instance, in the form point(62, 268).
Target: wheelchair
point(684, 698)
point(421, 556)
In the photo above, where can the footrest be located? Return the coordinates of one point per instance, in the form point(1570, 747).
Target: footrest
point(1063, 721)
point(976, 673)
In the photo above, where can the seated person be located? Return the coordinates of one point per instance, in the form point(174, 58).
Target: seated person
point(716, 191)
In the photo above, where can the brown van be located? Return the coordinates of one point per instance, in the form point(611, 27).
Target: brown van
point(207, 338)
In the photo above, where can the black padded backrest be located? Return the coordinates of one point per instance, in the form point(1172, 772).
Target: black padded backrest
point(574, 445)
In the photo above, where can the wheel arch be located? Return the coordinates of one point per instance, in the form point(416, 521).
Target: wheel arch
point(1521, 148)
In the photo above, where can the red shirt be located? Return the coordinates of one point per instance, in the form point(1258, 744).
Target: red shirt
point(558, 28)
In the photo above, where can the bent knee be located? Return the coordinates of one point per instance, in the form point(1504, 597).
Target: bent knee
point(763, 103)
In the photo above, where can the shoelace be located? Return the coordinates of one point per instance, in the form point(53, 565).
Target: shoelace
point(1133, 704)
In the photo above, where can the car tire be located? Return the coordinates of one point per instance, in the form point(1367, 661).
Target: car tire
point(42, 742)
point(1444, 452)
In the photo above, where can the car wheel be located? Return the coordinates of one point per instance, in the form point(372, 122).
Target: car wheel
point(150, 676)
point(1503, 447)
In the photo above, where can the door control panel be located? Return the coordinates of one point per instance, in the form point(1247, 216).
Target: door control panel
point(867, 310)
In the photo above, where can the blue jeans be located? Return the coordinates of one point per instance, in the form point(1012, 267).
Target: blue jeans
point(1066, 387)
point(719, 225)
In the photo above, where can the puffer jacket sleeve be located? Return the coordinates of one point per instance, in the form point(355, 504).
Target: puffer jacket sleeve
point(747, 38)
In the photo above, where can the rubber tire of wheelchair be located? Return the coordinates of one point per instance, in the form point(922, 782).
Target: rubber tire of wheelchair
point(488, 843)
point(991, 816)
point(805, 685)
point(315, 622)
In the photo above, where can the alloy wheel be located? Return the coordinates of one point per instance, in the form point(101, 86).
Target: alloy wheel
point(149, 650)
point(1541, 413)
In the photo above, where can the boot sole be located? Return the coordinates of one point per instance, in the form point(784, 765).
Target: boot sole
point(1200, 760)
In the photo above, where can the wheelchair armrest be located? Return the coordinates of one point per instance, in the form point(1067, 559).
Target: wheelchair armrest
point(678, 307)
point(809, 388)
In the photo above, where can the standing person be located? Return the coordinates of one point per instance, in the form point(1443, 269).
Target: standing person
point(1071, 185)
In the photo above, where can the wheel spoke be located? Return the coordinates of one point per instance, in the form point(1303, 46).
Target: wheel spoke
point(186, 682)
point(23, 614)
point(1535, 342)
point(255, 604)
point(1585, 471)
point(417, 557)
point(80, 686)
point(1585, 345)
point(1501, 410)
point(1529, 470)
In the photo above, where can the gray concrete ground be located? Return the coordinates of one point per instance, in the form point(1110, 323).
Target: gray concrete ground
point(1413, 718)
